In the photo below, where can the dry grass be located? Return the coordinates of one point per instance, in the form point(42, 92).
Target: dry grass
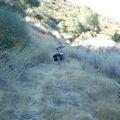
point(12, 97)
point(69, 92)
point(105, 59)
point(16, 88)
point(76, 90)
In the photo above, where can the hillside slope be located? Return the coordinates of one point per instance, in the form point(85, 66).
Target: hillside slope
point(34, 87)
point(73, 90)
point(68, 92)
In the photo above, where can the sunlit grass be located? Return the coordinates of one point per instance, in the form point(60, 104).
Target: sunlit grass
point(101, 54)
point(32, 86)
point(72, 93)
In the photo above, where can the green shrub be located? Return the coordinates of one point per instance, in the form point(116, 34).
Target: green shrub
point(80, 20)
point(39, 17)
point(14, 6)
point(13, 30)
point(71, 26)
point(62, 26)
point(54, 19)
point(50, 23)
point(34, 3)
point(18, 6)
point(89, 19)
point(116, 37)
point(74, 26)
point(53, 25)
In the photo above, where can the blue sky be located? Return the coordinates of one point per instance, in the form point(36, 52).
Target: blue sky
point(108, 8)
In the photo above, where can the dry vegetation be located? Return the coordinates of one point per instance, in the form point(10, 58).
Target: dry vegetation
point(34, 87)
point(81, 88)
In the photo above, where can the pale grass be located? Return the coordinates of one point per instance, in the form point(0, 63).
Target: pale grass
point(105, 59)
point(11, 73)
point(66, 92)
point(14, 76)
point(78, 89)
point(69, 92)
point(73, 91)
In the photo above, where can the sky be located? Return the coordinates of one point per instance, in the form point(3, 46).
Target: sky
point(108, 8)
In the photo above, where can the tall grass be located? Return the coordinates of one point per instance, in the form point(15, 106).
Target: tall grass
point(74, 94)
point(65, 93)
point(104, 59)
point(14, 65)
point(12, 97)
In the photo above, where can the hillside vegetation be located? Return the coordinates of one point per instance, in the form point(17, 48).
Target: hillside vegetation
point(86, 86)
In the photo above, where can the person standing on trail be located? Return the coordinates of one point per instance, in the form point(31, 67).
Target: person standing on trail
point(60, 51)
point(59, 56)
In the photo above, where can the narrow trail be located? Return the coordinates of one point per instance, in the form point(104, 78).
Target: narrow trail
point(67, 91)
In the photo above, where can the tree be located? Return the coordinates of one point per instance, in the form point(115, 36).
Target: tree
point(89, 18)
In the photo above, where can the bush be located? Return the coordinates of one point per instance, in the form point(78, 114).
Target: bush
point(50, 23)
point(34, 3)
point(80, 20)
point(62, 26)
point(53, 25)
point(39, 17)
point(56, 21)
point(14, 6)
point(89, 19)
point(72, 26)
point(18, 6)
point(13, 30)
point(116, 37)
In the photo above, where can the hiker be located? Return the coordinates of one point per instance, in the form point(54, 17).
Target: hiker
point(60, 55)
point(60, 51)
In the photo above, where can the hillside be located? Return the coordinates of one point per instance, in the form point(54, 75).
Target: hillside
point(65, 18)
point(68, 92)
point(73, 90)
point(86, 86)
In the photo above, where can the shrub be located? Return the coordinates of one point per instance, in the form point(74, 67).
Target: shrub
point(89, 19)
point(13, 30)
point(39, 17)
point(34, 3)
point(72, 26)
point(116, 37)
point(14, 6)
point(18, 6)
point(54, 19)
point(62, 26)
point(50, 23)
point(80, 20)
